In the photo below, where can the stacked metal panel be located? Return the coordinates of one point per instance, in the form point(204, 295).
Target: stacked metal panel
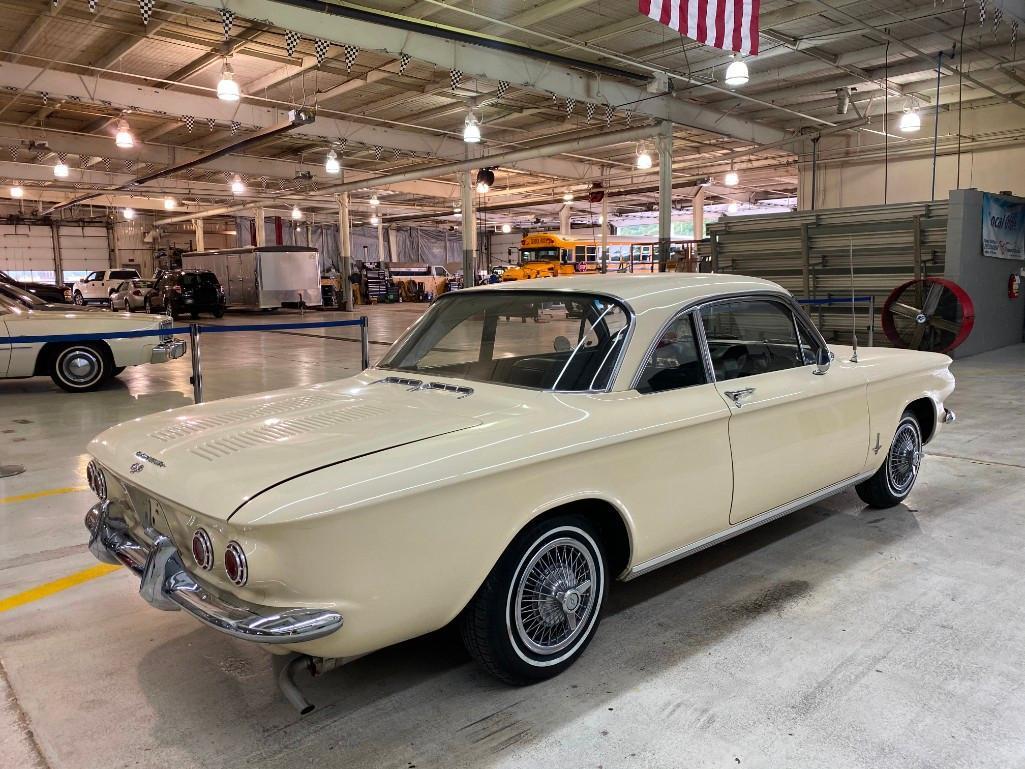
point(810, 253)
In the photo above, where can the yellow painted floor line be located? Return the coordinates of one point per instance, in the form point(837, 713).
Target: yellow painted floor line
point(40, 494)
point(49, 588)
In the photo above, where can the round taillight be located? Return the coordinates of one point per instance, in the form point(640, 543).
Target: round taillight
point(203, 549)
point(235, 564)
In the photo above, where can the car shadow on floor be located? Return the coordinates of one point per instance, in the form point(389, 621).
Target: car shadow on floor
point(427, 692)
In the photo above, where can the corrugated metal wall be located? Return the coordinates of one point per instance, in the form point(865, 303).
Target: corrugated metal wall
point(809, 254)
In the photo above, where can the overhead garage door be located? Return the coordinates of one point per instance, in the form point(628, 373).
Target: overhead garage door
point(84, 248)
point(26, 252)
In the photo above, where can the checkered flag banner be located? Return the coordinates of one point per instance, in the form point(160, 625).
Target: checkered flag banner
point(106, 164)
point(555, 98)
point(377, 152)
point(1014, 37)
point(590, 108)
point(982, 12)
point(40, 156)
point(46, 98)
point(404, 59)
point(291, 41)
point(235, 125)
point(190, 122)
point(503, 88)
point(63, 158)
point(320, 48)
point(351, 52)
point(608, 115)
point(570, 106)
point(92, 6)
point(456, 77)
point(998, 16)
point(227, 19)
point(13, 152)
point(146, 9)
point(129, 165)
point(211, 123)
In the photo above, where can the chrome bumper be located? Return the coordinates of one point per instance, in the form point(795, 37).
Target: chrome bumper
point(165, 584)
point(948, 416)
point(165, 351)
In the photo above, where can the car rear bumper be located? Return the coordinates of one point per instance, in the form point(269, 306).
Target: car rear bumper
point(167, 585)
point(165, 351)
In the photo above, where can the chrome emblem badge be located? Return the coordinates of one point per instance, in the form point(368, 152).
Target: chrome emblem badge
point(147, 458)
point(136, 467)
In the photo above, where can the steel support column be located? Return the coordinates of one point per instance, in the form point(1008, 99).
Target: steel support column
point(605, 220)
point(345, 249)
point(200, 244)
point(261, 227)
point(469, 228)
point(664, 143)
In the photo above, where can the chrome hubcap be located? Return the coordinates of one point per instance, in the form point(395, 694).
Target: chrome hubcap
point(80, 367)
point(555, 596)
point(905, 458)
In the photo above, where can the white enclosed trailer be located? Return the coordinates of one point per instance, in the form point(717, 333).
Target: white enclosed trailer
point(263, 277)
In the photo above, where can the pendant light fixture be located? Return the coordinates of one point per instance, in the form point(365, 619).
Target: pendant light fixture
point(374, 201)
point(237, 186)
point(737, 74)
point(644, 161)
point(471, 129)
point(374, 220)
point(567, 198)
point(485, 179)
point(331, 164)
point(227, 88)
point(296, 213)
point(910, 119)
point(124, 138)
point(506, 228)
point(17, 191)
point(61, 170)
point(731, 179)
point(170, 203)
point(128, 213)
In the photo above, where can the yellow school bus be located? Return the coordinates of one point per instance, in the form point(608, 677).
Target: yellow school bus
point(548, 254)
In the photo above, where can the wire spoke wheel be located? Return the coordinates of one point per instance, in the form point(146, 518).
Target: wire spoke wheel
point(904, 459)
point(555, 596)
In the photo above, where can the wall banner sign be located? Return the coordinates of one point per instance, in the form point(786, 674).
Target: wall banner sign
point(1003, 227)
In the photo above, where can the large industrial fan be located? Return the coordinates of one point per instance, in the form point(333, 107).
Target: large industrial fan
point(931, 314)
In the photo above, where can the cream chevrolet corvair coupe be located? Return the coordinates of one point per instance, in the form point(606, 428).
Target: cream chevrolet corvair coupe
point(518, 448)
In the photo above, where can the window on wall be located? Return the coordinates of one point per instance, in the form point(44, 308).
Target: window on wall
point(33, 276)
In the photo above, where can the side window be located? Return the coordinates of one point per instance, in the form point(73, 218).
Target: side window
point(676, 360)
point(746, 338)
point(94, 276)
point(809, 341)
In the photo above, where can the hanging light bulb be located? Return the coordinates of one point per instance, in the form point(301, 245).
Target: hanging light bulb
point(506, 228)
point(128, 213)
point(910, 120)
point(170, 203)
point(601, 219)
point(485, 178)
point(644, 161)
point(331, 164)
point(731, 179)
point(237, 186)
point(567, 198)
point(374, 220)
point(123, 138)
point(471, 129)
point(736, 73)
point(374, 201)
point(17, 191)
point(61, 170)
point(296, 213)
point(227, 88)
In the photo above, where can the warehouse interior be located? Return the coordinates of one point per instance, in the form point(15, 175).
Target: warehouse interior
point(336, 170)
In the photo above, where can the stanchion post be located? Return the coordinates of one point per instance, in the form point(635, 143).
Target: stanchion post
point(197, 366)
point(871, 319)
point(364, 341)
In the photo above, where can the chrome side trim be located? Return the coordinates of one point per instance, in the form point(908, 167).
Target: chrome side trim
point(165, 584)
point(745, 526)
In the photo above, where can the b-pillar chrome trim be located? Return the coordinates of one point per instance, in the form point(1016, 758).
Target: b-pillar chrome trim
point(740, 528)
point(165, 584)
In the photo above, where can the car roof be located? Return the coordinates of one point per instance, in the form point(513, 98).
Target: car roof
point(665, 291)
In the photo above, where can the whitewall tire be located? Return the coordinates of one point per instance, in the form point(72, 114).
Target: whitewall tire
point(80, 367)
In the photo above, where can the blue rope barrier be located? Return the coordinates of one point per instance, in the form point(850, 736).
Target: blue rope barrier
point(171, 331)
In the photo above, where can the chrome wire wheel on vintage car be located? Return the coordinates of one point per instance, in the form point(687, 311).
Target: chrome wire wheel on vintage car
point(554, 596)
point(904, 458)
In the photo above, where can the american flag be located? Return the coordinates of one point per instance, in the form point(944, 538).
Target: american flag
point(728, 24)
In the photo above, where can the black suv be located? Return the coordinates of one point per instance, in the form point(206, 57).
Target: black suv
point(191, 291)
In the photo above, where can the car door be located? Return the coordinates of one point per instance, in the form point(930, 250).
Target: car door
point(5, 336)
point(793, 432)
point(93, 287)
point(685, 445)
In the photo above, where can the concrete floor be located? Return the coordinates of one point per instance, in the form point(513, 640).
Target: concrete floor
point(838, 636)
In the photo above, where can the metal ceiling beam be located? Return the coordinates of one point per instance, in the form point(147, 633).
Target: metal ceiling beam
point(35, 29)
point(121, 95)
point(226, 48)
point(517, 69)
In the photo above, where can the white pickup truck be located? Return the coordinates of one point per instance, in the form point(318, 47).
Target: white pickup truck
point(99, 285)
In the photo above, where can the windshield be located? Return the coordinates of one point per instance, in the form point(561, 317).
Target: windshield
point(25, 297)
point(536, 339)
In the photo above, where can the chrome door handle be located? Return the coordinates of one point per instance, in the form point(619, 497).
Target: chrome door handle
point(738, 395)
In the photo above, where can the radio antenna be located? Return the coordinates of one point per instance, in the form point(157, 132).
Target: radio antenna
point(854, 315)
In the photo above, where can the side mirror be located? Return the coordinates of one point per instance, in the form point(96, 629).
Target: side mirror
point(822, 361)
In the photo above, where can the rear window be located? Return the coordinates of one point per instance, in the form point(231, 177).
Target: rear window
point(192, 279)
point(143, 283)
point(123, 274)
